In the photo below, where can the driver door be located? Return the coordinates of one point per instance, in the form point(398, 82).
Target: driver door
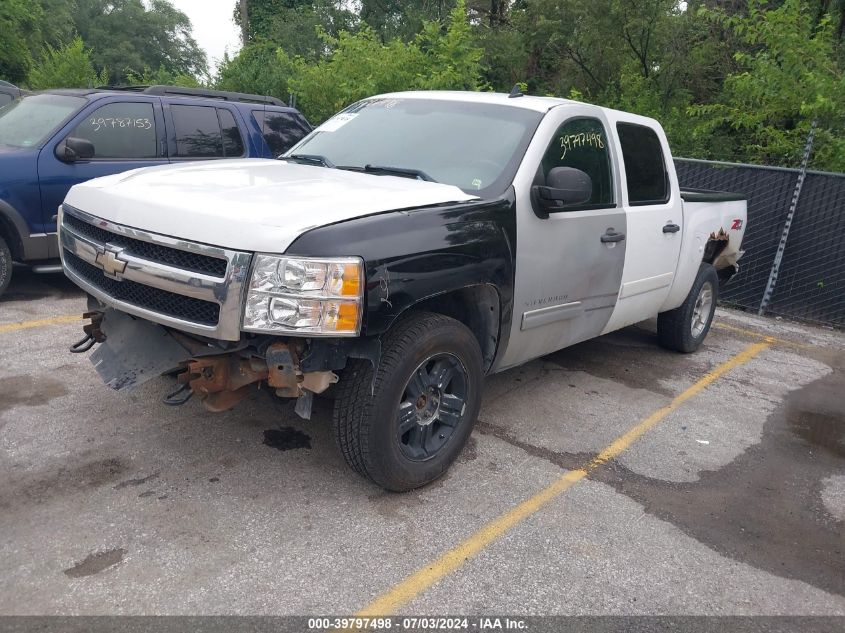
point(569, 264)
point(125, 134)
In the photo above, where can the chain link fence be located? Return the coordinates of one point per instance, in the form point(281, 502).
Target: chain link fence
point(811, 281)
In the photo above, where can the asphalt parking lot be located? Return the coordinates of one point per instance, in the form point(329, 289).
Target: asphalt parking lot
point(610, 478)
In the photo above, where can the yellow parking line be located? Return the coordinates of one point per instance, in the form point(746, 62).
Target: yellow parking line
point(25, 325)
point(765, 337)
point(452, 560)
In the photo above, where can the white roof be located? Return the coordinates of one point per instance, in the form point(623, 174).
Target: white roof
point(538, 104)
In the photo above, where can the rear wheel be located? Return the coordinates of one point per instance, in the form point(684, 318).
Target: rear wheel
point(685, 328)
point(403, 426)
point(5, 265)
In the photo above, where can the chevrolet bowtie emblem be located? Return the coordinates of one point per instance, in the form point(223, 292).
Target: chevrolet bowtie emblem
point(111, 263)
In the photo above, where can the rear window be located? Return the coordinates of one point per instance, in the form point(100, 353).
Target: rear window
point(206, 132)
point(645, 167)
point(281, 130)
point(233, 144)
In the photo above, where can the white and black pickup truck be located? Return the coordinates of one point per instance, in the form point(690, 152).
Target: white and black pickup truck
point(406, 248)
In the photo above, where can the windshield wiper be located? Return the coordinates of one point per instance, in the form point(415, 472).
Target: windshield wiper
point(392, 171)
point(312, 158)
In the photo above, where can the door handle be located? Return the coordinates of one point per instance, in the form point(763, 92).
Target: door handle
point(612, 236)
point(671, 227)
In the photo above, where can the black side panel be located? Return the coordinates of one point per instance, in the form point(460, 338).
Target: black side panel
point(413, 255)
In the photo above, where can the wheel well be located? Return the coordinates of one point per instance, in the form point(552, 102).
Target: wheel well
point(477, 307)
point(716, 243)
point(11, 237)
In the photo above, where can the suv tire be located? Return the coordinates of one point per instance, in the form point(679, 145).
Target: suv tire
point(404, 426)
point(5, 266)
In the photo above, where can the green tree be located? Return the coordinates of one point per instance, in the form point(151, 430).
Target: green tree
point(788, 76)
point(360, 65)
point(299, 29)
point(19, 24)
point(127, 36)
point(262, 16)
point(66, 67)
point(162, 76)
point(56, 24)
point(256, 69)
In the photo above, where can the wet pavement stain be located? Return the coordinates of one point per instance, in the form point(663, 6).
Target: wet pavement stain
point(40, 487)
point(286, 438)
point(96, 562)
point(630, 366)
point(137, 482)
point(28, 391)
point(764, 508)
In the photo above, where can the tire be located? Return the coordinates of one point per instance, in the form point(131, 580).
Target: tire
point(436, 416)
point(5, 266)
point(685, 328)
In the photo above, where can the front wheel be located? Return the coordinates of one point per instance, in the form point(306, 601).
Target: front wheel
point(404, 426)
point(685, 328)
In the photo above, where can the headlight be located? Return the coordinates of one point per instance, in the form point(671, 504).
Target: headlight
point(303, 295)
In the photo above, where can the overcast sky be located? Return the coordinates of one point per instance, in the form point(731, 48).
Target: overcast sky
point(214, 28)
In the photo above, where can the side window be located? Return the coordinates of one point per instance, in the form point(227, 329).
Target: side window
point(197, 131)
point(4, 99)
point(582, 144)
point(645, 167)
point(233, 143)
point(121, 130)
point(281, 130)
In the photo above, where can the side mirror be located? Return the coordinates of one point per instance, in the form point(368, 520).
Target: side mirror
point(72, 149)
point(565, 187)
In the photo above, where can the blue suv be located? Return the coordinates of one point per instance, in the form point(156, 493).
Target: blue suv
point(51, 140)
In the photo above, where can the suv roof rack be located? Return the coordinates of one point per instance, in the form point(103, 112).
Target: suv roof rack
point(179, 91)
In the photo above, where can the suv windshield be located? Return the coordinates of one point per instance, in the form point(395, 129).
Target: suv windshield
point(28, 121)
point(475, 146)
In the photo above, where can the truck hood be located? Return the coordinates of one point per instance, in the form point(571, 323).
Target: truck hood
point(248, 204)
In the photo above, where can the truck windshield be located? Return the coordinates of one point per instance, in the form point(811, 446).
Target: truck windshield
point(475, 146)
point(28, 121)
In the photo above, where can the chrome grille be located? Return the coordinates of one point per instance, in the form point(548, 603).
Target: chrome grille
point(147, 297)
point(155, 252)
point(192, 287)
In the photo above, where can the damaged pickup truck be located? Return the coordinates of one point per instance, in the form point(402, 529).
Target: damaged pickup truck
point(406, 248)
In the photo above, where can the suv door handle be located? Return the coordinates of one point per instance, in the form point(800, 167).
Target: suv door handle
point(612, 236)
point(671, 228)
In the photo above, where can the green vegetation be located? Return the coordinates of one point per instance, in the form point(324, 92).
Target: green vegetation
point(78, 43)
point(729, 79)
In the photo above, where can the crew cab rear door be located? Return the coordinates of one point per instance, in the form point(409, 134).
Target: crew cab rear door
point(569, 264)
point(199, 131)
point(654, 214)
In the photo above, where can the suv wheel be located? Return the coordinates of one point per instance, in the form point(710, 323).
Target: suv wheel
point(5, 266)
point(404, 426)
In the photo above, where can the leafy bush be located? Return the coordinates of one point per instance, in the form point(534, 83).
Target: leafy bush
point(787, 78)
point(360, 65)
point(256, 69)
point(66, 67)
point(162, 77)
